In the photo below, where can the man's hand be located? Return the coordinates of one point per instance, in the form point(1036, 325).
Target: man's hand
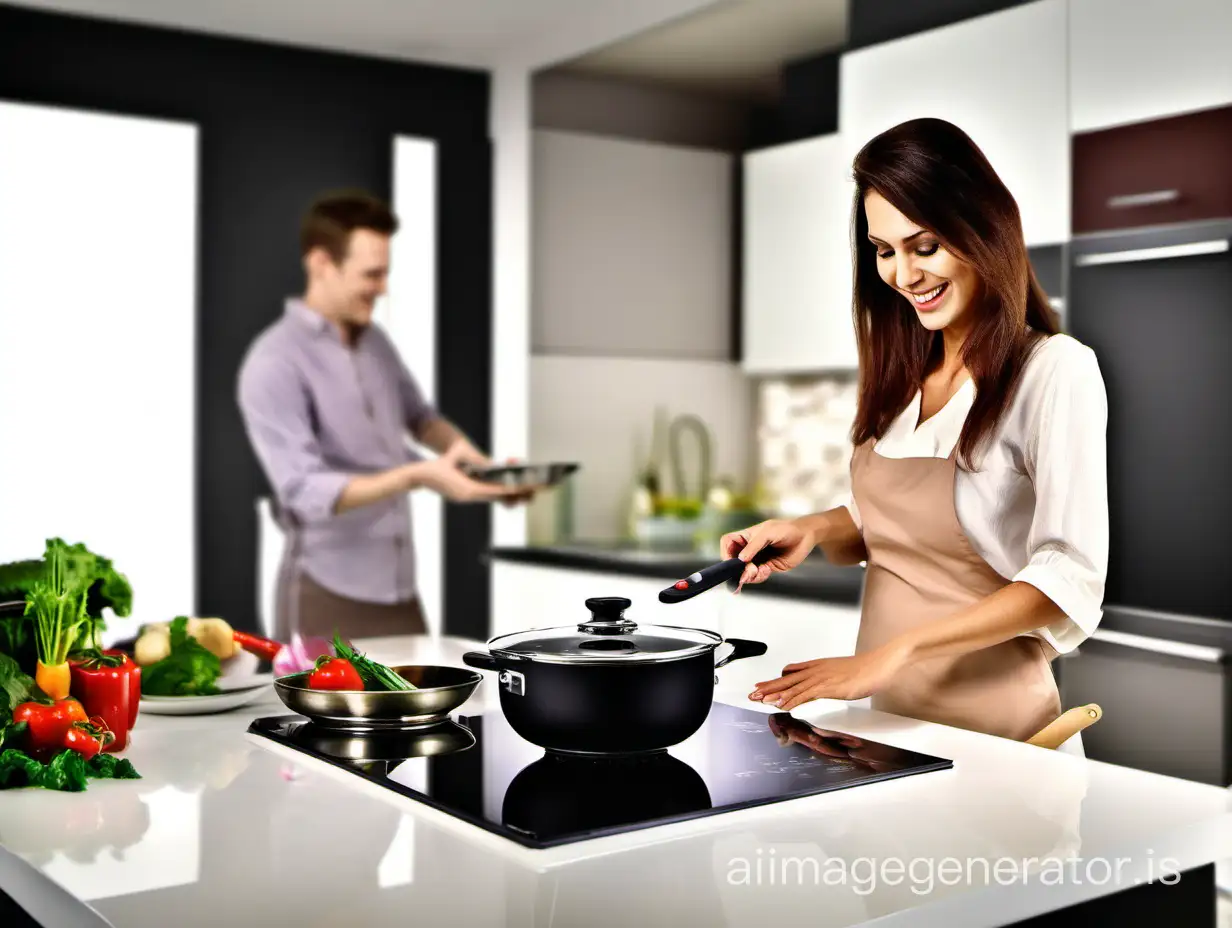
point(469, 455)
point(446, 477)
point(466, 454)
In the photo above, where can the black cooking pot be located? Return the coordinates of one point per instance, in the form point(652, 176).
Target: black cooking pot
point(607, 686)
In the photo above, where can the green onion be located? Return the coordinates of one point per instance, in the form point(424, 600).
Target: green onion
point(375, 676)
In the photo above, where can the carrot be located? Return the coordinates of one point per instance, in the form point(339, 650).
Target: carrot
point(54, 680)
point(255, 644)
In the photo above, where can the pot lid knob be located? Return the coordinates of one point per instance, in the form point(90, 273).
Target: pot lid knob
point(608, 616)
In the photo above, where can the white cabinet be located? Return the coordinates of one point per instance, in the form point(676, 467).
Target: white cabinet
point(797, 259)
point(1147, 60)
point(1001, 78)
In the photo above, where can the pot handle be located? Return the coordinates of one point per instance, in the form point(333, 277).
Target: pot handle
point(480, 659)
point(742, 647)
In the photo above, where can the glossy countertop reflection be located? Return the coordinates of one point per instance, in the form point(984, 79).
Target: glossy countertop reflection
point(234, 827)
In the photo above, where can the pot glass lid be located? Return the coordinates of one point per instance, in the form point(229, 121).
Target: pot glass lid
point(608, 636)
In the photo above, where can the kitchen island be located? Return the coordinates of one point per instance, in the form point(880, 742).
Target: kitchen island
point(227, 828)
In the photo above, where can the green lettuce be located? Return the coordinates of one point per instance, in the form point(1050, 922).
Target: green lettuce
point(189, 670)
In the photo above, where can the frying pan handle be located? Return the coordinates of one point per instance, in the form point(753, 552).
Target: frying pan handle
point(742, 647)
point(481, 660)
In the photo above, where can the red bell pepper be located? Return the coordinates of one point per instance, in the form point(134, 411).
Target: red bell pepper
point(134, 686)
point(46, 725)
point(108, 684)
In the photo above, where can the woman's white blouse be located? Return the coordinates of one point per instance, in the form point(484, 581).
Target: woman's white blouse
point(1036, 507)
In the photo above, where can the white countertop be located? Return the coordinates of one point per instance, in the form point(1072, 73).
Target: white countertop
point(226, 827)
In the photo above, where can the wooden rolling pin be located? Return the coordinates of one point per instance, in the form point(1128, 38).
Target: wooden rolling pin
point(1066, 725)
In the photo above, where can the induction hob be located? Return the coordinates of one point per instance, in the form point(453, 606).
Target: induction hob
point(477, 769)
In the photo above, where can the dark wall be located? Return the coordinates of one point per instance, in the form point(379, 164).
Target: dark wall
point(807, 105)
point(278, 125)
point(873, 21)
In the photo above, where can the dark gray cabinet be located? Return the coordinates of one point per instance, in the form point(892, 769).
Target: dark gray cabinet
point(1154, 306)
point(1167, 704)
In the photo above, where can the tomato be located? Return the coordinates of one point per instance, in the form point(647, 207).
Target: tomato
point(86, 739)
point(47, 725)
point(335, 673)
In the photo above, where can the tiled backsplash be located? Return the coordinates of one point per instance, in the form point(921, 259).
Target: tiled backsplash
point(804, 441)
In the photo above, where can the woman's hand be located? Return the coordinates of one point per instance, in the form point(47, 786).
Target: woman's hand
point(781, 544)
point(832, 678)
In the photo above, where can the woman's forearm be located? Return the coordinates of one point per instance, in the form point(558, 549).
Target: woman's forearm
point(836, 534)
point(1013, 610)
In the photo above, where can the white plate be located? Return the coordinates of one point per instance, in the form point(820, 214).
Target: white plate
point(236, 692)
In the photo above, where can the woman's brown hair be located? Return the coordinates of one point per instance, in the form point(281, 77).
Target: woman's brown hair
point(933, 173)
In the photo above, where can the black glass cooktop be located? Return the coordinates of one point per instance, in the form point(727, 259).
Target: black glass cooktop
point(476, 768)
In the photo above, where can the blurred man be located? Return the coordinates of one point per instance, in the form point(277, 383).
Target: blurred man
point(327, 404)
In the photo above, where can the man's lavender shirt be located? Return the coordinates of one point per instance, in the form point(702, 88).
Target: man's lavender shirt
point(318, 413)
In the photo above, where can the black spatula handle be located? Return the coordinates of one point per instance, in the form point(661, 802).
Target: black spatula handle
point(705, 579)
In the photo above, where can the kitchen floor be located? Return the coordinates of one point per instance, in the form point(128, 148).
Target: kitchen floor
point(1225, 911)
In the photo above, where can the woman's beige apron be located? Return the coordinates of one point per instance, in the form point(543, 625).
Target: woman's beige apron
point(922, 568)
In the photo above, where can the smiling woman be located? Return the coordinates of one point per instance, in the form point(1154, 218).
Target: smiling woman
point(912, 260)
point(930, 212)
point(979, 497)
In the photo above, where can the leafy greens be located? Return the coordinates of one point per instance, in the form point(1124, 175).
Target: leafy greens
point(68, 771)
point(16, 687)
point(89, 573)
point(189, 670)
point(108, 588)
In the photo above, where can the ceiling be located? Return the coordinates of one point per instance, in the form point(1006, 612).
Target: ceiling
point(734, 48)
point(476, 33)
